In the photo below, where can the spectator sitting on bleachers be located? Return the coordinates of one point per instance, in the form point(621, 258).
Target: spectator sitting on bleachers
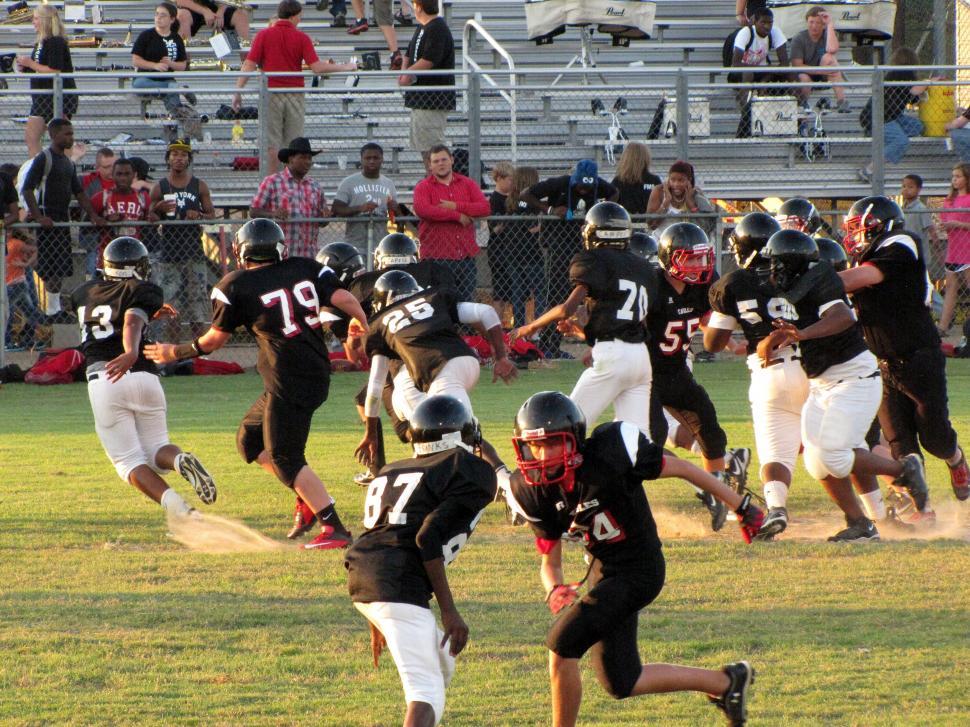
point(818, 45)
point(680, 200)
point(122, 203)
point(282, 47)
point(160, 49)
point(290, 196)
point(193, 14)
point(633, 179)
point(50, 55)
point(960, 134)
point(752, 46)
point(367, 194)
point(385, 21)
point(898, 126)
point(21, 255)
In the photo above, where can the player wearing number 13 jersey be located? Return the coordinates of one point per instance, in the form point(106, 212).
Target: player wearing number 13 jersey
point(279, 301)
point(419, 512)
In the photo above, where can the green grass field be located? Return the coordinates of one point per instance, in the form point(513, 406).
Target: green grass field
point(106, 620)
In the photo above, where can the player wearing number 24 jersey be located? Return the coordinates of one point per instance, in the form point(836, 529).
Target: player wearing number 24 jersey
point(279, 301)
point(419, 512)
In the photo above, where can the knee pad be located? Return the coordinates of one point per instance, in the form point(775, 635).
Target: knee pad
point(618, 686)
point(152, 462)
point(126, 466)
point(286, 467)
point(822, 463)
point(248, 443)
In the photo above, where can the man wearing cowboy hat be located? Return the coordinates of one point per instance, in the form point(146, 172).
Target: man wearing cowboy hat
point(292, 195)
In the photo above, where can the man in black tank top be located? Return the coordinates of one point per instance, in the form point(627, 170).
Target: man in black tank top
point(181, 263)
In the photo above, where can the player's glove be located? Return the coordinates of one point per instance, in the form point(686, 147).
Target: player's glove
point(750, 518)
point(561, 596)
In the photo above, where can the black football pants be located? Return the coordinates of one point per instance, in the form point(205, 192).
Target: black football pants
point(689, 403)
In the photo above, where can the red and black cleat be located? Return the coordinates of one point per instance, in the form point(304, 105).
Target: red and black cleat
point(303, 520)
point(330, 538)
point(960, 478)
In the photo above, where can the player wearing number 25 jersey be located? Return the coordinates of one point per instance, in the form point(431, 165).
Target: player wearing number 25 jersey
point(419, 512)
point(279, 301)
point(126, 397)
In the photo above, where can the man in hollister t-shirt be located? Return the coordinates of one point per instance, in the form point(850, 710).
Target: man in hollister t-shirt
point(366, 195)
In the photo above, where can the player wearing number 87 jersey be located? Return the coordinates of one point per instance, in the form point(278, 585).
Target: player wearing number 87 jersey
point(419, 512)
point(617, 288)
point(279, 302)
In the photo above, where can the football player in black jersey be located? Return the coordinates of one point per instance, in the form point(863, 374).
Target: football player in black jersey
point(279, 300)
point(746, 298)
point(683, 413)
point(418, 327)
point(891, 290)
point(617, 288)
point(126, 396)
point(844, 386)
point(593, 488)
point(419, 513)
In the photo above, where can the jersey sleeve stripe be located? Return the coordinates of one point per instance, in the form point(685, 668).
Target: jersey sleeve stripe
point(137, 312)
point(220, 296)
point(631, 440)
point(722, 321)
point(904, 240)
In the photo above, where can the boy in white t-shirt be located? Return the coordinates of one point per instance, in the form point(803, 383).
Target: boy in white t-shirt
point(752, 46)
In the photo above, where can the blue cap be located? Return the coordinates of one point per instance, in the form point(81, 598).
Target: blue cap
point(586, 172)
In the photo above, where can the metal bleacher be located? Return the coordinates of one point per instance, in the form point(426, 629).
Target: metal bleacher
point(555, 124)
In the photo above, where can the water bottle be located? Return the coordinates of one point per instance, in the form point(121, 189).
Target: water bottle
point(238, 133)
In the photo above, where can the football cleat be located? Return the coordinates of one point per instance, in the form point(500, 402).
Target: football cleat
point(862, 530)
point(913, 478)
point(960, 478)
point(330, 538)
point(737, 468)
point(734, 701)
point(714, 506)
point(303, 519)
point(191, 469)
point(894, 524)
point(775, 523)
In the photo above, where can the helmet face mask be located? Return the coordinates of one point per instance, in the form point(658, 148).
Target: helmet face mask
point(395, 249)
point(549, 418)
point(343, 258)
point(867, 219)
point(259, 240)
point(607, 225)
point(126, 258)
point(441, 423)
point(392, 286)
point(686, 253)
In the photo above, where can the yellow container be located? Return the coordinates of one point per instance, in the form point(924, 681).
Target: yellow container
point(936, 109)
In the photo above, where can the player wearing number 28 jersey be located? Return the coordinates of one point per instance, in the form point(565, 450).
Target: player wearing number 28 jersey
point(279, 301)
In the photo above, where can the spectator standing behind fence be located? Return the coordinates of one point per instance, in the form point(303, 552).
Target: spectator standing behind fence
point(122, 203)
point(633, 179)
point(899, 126)
point(51, 55)
point(21, 255)
point(527, 266)
point(566, 197)
point(94, 183)
point(366, 194)
point(818, 45)
point(957, 226)
point(53, 176)
point(447, 204)
point(193, 14)
point(9, 199)
point(679, 200)
point(160, 49)
point(282, 47)
point(182, 267)
point(920, 220)
point(431, 47)
point(291, 196)
point(499, 243)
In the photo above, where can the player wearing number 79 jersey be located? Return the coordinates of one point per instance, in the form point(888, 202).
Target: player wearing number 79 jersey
point(279, 301)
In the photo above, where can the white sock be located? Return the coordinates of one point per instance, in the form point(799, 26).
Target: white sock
point(955, 460)
point(173, 503)
point(695, 448)
point(53, 303)
point(873, 504)
point(776, 494)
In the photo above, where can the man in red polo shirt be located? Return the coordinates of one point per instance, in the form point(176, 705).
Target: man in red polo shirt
point(282, 47)
point(448, 204)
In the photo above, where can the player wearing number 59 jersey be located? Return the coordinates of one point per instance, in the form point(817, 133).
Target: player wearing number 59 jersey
point(126, 397)
point(419, 512)
point(617, 288)
point(279, 301)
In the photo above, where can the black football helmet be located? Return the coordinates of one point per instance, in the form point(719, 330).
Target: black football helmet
point(799, 214)
point(644, 246)
point(440, 423)
point(869, 218)
point(259, 240)
point(750, 236)
point(686, 253)
point(126, 257)
point(343, 258)
point(553, 418)
point(391, 287)
point(395, 249)
point(829, 249)
point(607, 225)
point(791, 254)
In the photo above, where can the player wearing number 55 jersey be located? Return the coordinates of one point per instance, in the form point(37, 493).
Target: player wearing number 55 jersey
point(126, 396)
point(279, 301)
point(617, 287)
point(419, 513)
